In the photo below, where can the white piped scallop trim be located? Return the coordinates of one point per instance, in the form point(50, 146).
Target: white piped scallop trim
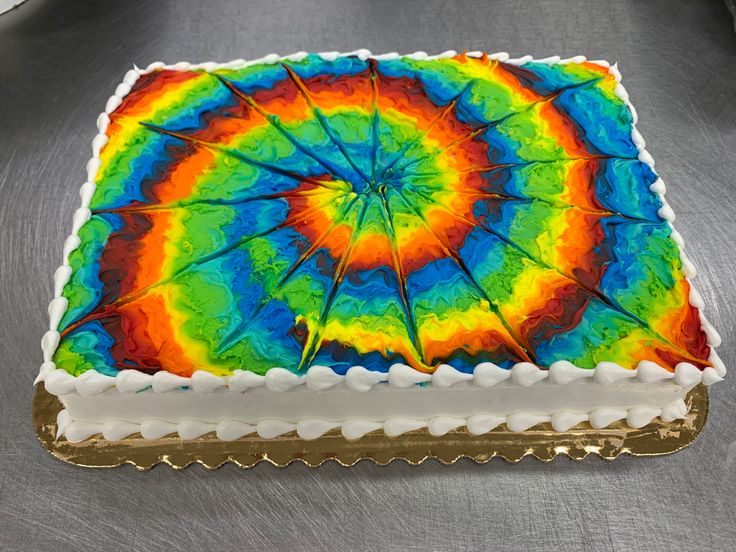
point(309, 428)
point(360, 379)
point(357, 378)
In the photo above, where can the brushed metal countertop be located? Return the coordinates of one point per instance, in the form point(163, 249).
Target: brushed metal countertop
point(59, 61)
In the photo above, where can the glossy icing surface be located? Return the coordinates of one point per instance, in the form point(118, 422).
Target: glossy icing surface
point(370, 212)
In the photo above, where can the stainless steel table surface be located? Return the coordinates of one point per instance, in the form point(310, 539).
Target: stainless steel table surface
point(59, 61)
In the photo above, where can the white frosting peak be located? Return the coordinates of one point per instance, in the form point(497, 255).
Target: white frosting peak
point(610, 372)
point(46, 369)
point(113, 103)
point(61, 277)
point(361, 54)
point(717, 363)
point(92, 383)
point(312, 429)
point(131, 77)
point(710, 376)
point(156, 429)
point(487, 374)
point(649, 372)
point(403, 376)
point(57, 308)
point(361, 379)
point(394, 427)
point(70, 244)
point(500, 56)
point(242, 380)
point(639, 416)
point(63, 419)
point(441, 425)
point(229, 430)
point(714, 338)
point(603, 417)
point(329, 56)
point(80, 431)
point(79, 219)
point(688, 268)
point(268, 429)
point(446, 376)
point(674, 411)
point(122, 90)
point(86, 191)
point(205, 382)
point(117, 430)
point(132, 381)
point(298, 56)
point(163, 382)
point(60, 382)
point(526, 374)
point(280, 379)
point(480, 424)
point(687, 375)
point(355, 429)
point(522, 421)
point(562, 421)
point(49, 343)
point(563, 372)
point(191, 429)
point(320, 378)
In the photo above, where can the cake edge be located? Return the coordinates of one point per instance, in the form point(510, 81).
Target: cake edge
point(59, 382)
point(391, 411)
point(540, 442)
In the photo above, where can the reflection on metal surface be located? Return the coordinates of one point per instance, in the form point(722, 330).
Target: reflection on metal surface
point(542, 442)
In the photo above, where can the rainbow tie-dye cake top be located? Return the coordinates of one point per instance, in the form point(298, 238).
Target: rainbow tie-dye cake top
point(349, 211)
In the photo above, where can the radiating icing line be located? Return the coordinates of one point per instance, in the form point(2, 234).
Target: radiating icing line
point(273, 121)
point(411, 143)
point(374, 121)
point(202, 260)
point(234, 336)
point(319, 241)
point(240, 156)
point(558, 204)
point(312, 347)
point(610, 303)
point(224, 202)
point(487, 168)
point(398, 268)
point(492, 124)
point(321, 119)
point(452, 254)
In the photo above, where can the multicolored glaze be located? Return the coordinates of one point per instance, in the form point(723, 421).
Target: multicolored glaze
point(366, 212)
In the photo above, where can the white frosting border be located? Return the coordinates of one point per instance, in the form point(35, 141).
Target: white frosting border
point(357, 378)
point(352, 429)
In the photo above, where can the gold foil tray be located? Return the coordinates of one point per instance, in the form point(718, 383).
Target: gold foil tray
point(542, 442)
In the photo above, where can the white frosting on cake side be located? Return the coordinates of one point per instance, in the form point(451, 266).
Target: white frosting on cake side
point(231, 415)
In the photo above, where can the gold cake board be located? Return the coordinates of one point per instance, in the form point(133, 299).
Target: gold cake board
point(654, 439)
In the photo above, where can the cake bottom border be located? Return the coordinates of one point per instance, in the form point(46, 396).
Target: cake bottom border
point(542, 442)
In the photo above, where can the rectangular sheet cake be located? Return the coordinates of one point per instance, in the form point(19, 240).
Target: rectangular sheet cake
point(369, 243)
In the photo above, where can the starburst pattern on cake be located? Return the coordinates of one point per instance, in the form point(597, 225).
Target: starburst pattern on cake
point(365, 212)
